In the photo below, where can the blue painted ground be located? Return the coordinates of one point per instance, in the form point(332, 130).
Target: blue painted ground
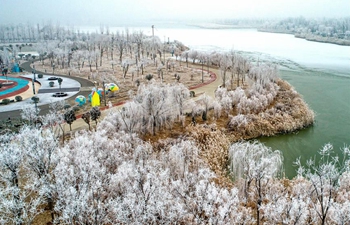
point(21, 83)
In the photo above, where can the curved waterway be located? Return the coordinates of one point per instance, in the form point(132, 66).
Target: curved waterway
point(329, 96)
point(320, 72)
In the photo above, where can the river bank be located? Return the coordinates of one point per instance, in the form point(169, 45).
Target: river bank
point(310, 37)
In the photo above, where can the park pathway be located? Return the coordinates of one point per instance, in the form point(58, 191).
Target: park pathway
point(85, 89)
point(87, 85)
point(208, 89)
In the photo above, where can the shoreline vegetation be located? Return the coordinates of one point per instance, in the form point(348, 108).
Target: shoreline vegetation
point(309, 37)
point(251, 101)
point(284, 112)
point(324, 30)
point(166, 155)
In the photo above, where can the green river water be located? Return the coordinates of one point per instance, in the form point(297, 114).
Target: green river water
point(329, 96)
point(327, 92)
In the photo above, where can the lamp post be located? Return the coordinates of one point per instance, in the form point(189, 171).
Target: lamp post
point(35, 98)
point(34, 75)
point(33, 80)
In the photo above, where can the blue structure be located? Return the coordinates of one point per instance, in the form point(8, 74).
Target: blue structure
point(15, 68)
point(21, 83)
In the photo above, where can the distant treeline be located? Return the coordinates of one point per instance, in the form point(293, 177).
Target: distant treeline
point(335, 31)
point(31, 33)
point(329, 30)
point(336, 27)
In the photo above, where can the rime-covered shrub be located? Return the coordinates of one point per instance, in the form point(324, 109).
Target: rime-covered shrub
point(260, 93)
point(213, 145)
point(155, 106)
point(121, 180)
point(288, 114)
point(18, 98)
point(5, 101)
point(149, 77)
point(254, 166)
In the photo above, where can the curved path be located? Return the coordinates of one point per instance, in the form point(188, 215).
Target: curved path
point(208, 88)
point(85, 89)
point(86, 86)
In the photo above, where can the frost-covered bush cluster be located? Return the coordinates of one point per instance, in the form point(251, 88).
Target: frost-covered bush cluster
point(154, 106)
point(111, 176)
point(336, 28)
point(313, 197)
point(260, 94)
point(102, 179)
point(116, 178)
point(280, 110)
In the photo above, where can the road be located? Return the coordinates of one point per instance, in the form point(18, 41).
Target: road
point(86, 86)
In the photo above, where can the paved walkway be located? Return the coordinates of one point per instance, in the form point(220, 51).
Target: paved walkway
point(85, 89)
point(74, 86)
point(208, 89)
point(44, 92)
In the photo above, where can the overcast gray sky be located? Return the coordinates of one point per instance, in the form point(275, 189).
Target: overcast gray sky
point(118, 12)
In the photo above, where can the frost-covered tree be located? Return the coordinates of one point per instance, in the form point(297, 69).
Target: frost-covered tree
point(263, 74)
point(121, 43)
point(95, 114)
point(286, 202)
point(30, 113)
point(39, 146)
point(339, 213)
point(160, 106)
point(324, 177)
point(253, 166)
point(138, 38)
point(229, 99)
point(233, 58)
point(54, 120)
point(156, 104)
point(224, 64)
point(242, 67)
point(185, 55)
point(126, 119)
point(180, 95)
point(203, 57)
point(193, 54)
point(85, 191)
point(86, 117)
point(206, 103)
point(69, 117)
point(19, 200)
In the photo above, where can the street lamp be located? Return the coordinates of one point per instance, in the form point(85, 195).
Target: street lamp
point(34, 74)
point(35, 98)
point(33, 80)
point(33, 83)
